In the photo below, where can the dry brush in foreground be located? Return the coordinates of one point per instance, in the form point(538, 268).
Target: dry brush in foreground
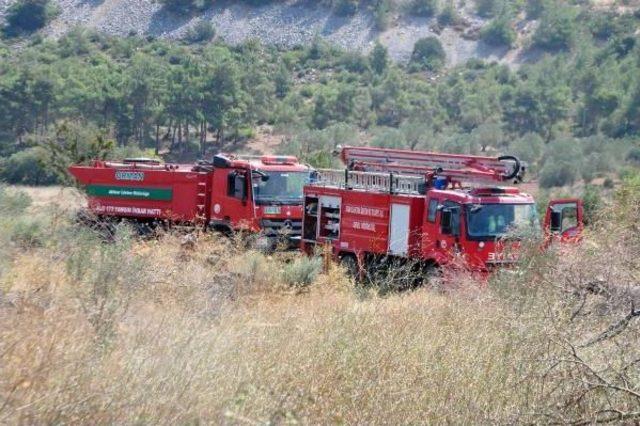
point(162, 332)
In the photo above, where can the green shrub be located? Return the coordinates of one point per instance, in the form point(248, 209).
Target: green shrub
point(534, 8)
point(302, 272)
point(608, 183)
point(528, 148)
point(27, 16)
point(488, 8)
point(16, 225)
point(13, 203)
point(253, 269)
point(428, 54)
point(78, 142)
point(306, 92)
point(382, 14)
point(184, 7)
point(379, 58)
point(203, 31)
point(557, 29)
point(26, 232)
point(499, 32)
point(563, 162)
point(557, 173)
point(449, 15)
point(597, 164)
point(626, 173)
point(346, 7)
point(354, 62)
point(592, 200)
point(28, 167)
point(388, 137)
point(282, 81)
point(423, 7)
point(634, 155)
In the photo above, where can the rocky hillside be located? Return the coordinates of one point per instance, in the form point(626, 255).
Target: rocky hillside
point(285, 24)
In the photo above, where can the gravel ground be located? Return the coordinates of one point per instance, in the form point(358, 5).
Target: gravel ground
point(284, 24)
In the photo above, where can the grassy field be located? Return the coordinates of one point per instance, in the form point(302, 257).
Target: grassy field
point(166, 331)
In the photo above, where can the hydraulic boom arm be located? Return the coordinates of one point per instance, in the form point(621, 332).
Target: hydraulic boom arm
point(455, 167)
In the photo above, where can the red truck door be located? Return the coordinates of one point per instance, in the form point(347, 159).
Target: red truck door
point(231, 199)
point(449, 231)
point(431, 229)
point(564, 219)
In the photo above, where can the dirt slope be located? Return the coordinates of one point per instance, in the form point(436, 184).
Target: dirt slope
point(284, 24)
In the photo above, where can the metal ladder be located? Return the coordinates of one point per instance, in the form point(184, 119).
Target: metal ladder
point(370, 181)
point(203, 198)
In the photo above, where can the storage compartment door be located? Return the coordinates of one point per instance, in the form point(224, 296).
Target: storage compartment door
point(329, 217)
point(399, 229)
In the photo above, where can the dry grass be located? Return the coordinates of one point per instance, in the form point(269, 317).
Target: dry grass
point(188, 346)
point(52, 197)
point(161, 332)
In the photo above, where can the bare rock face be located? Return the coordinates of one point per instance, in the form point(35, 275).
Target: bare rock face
point(285, 24)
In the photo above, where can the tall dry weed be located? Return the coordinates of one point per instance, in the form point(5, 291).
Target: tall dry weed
point(200, 330)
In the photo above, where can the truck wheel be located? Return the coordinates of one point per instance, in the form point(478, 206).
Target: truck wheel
point(350, 265)
point(262, 243)
point(433, 277)
point(144, 229)
point(223, 229)
point(103, 226)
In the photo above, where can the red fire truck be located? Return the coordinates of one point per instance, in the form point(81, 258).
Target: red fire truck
point(256, 194)
point(430, 207)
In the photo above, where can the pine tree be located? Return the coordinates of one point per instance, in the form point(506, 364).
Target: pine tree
point(379, 58)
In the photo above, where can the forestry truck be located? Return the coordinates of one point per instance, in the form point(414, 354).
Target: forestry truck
point(430, 207)
point(255, 194)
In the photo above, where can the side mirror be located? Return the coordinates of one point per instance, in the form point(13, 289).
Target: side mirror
point(257, 174)
point(556, 221)
point(446, 222)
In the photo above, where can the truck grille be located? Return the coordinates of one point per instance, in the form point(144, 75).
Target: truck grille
point(274, 227)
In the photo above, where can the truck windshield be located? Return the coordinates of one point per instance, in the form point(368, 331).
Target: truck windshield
point(280, 187)
point(491, 221)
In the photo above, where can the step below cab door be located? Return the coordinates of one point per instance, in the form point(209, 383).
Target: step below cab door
point(564, 220)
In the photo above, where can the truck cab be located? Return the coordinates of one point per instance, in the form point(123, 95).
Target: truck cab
point(258, 194)
point(485, 227)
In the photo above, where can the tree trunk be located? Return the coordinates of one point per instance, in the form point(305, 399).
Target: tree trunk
point(220, 138)
point(46, 118)
point(157, 139)
point(203, 137)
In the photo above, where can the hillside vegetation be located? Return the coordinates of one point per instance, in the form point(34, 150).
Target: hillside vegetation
point(573, 115)
point(133, 331)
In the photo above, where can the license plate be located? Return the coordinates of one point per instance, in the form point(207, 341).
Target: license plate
point(272, 210)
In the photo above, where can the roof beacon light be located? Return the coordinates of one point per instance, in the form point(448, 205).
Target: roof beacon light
point(271, 160)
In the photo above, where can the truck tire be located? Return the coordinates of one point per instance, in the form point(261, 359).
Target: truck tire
point(103, 226)
point(433, 276)
point(350, 265)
